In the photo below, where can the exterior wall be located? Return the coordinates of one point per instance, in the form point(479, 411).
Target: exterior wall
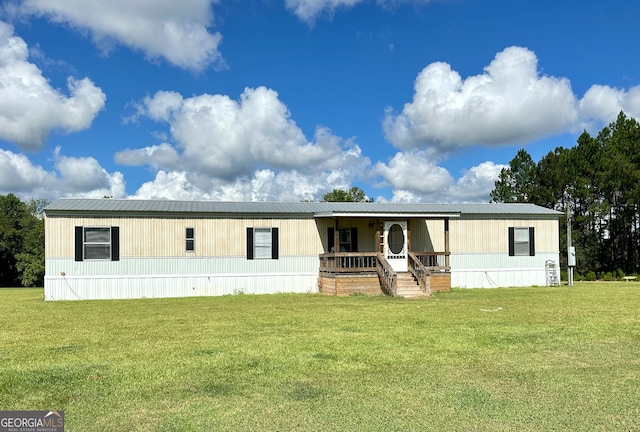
point(153, 261)
point(427, 235)
point(480, 253)
point(165, 237)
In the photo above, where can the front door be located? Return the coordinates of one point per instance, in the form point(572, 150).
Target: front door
point(395, 245)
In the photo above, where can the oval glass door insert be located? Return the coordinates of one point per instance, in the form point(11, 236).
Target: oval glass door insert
point(396, 239)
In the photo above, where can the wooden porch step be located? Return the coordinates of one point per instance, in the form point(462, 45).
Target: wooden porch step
point(408, 287)
point(412, 294)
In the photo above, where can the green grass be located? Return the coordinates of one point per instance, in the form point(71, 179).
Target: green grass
point(551, 359)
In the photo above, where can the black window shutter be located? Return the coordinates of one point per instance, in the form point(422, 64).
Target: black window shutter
point(274, 243)
point(250, 243)
point(330, 239)
point(78, 243)
point(354, 239)
point(115, 243)
point(532, 242)
point(512, 250)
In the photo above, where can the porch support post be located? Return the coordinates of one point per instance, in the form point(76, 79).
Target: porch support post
point(336, 235)
point(408, 236)
point(446, 241)
point(378, 236)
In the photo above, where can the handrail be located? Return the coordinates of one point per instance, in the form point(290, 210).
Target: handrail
point(388, 277)
point(434, 261)
point(420, 272)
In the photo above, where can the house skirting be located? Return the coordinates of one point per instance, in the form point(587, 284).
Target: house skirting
point(160, 286)
point(348, 284)
point(440, 281)
point(499, 270)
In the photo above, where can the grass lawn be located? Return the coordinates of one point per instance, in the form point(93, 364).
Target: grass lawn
point(551, 359)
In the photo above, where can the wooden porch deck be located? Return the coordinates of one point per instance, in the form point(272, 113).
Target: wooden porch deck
point(348, 273)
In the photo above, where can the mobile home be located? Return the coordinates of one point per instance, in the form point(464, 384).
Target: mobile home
point(117, 249)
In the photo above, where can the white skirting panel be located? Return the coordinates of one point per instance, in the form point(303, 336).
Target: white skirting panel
point(499, 270)
point(151, 277)
point(160, 286)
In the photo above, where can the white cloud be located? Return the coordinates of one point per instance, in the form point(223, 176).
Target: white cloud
point(476, 183)
point(18, 175)
point(262, 185)
point(82, 174)
point(29, 107)
point(175, 31)
point(415, 171)
point(603, 103)
point(310, 10)
point(415, 176)
point(163, 155)
point(72, 177)
point(509, 103)
point(162, 106)
point(252, 150)
point(249, 149)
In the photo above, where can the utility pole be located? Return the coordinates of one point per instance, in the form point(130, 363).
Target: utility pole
point(571, 251)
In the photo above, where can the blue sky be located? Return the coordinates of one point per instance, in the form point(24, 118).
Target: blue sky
point(419, 101)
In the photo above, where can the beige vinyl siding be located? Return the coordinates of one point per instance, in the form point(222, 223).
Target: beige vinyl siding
point(427, 235)
point(165, 237)
point(492, 235)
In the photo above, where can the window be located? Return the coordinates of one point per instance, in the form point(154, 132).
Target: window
point(262, 243)
point(521, 241)
point(347, 239)
point(97, 243)
point(190, 239)
point(344, 237)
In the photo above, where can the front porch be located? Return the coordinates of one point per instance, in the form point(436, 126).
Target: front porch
point(346, 273)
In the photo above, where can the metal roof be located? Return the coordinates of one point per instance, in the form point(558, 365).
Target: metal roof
point(140, 208)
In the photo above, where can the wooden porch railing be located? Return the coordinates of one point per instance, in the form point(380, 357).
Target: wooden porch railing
point(434, 261)
point(360, 262)
point(420, 272)
point(388, 277)
point(348, 262)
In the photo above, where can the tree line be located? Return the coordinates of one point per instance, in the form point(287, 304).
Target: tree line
point(599, 181)
point(21, 242)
